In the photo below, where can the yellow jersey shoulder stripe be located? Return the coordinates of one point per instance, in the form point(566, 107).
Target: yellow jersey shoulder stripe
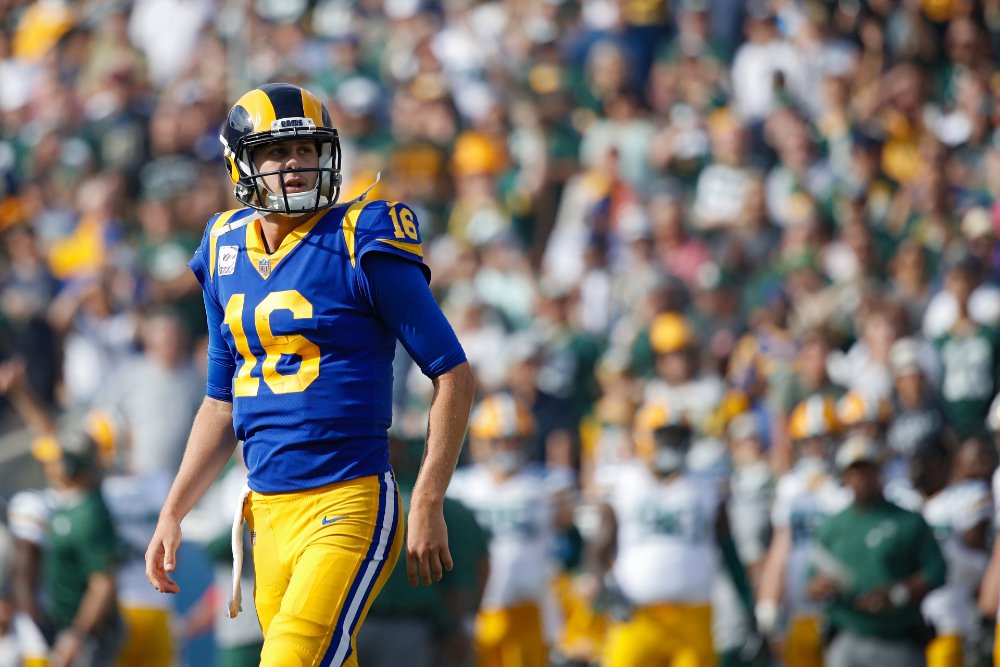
point(350, 226)
point(414, 248)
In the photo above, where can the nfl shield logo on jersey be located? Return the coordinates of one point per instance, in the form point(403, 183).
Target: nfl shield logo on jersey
point(264, 266)
point(227, 259)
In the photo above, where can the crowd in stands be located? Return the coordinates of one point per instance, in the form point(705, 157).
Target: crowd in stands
point(775, 220)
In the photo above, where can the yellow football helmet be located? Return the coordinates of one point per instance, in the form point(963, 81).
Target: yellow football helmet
point(278, 112)
point(501, 416)
point(855, 408)
point(815, 417)
point(657, 416)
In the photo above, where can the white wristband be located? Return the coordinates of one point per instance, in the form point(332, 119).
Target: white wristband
point(899, 595)
point(766, 612)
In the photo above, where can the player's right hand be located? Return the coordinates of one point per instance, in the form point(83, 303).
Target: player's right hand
point(161, 556)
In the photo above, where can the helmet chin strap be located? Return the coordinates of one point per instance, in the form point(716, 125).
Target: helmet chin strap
point(299, 201)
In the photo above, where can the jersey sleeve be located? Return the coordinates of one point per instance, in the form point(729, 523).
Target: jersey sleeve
point(400, 296)
point(221, 365)
point(390, 228)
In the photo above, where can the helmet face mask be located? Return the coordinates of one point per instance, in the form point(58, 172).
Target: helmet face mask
point(671, 444)
point(273, 113)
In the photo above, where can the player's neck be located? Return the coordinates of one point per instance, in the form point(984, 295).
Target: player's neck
point(275, 227)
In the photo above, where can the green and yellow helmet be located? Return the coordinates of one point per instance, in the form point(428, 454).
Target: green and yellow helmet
point(278, 112)
point(501, 416)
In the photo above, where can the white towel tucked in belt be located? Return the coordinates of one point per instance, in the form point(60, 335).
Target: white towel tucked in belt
point(235, 606)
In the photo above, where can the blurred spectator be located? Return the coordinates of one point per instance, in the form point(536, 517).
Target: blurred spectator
point(968, 352)
point(152, 395)
point(723, 184)
point(26, 289)
point(766, 69)
point(98, 336)
point(917, 414)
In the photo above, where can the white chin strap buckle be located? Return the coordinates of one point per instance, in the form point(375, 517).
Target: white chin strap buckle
point(300, 201)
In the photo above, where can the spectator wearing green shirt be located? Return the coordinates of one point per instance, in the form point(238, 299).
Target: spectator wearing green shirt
point(873, 564)
point(969, 352)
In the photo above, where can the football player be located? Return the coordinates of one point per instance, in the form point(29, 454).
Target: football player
point(660, 538)
point(805, 495)
point(513, 502)
point(959, 512)
point(306, 297)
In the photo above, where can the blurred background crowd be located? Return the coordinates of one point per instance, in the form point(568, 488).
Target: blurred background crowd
point(730, 207)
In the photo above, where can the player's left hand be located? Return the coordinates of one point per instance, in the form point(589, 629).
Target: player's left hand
point(427, 554)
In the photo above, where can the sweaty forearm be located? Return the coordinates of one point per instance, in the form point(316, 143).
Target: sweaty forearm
point(449, 416)
point(209, 447)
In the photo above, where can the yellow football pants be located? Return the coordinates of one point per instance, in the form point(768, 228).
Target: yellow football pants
point(946, 651)
point(584, 629)
point(671, 635)
point(147, 639)
point(320, 558)
point(803, 645)
point(511, 637)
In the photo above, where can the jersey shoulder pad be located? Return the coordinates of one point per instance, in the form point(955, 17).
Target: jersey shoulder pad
point(28, 515)
point(384, 226)
point(972, 495)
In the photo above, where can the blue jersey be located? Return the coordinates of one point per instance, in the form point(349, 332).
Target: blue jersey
point(302, 339)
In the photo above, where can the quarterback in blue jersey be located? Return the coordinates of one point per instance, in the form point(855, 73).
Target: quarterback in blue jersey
point(306, 297)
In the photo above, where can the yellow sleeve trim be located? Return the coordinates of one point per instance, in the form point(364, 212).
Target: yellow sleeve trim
point(213, 239)
point(414, 248)
point(350, 226)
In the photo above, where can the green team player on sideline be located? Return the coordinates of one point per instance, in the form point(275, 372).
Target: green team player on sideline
point(873, 563)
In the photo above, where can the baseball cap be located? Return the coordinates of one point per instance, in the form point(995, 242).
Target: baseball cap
point(857, 449)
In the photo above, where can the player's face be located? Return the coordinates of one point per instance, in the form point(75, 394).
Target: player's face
point(506, 455)
point(863, 480)
point(289, 154)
